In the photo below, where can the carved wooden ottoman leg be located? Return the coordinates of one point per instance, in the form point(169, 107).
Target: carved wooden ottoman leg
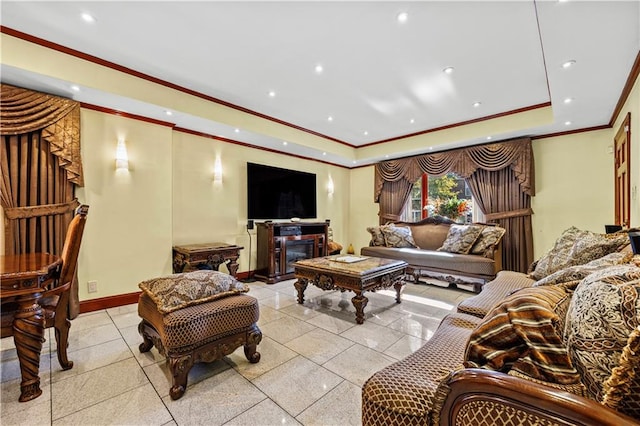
point(146, 344)
point(254, 336)
point(180, 367)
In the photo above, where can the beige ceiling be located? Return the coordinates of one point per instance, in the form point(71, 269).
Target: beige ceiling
point(381, 80)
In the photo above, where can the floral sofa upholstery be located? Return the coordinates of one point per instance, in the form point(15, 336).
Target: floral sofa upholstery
point(560, 345)
point(439, 248)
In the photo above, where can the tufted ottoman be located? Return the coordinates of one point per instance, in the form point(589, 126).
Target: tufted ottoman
point(202, 332)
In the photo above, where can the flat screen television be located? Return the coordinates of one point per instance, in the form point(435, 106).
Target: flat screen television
point(275, 193)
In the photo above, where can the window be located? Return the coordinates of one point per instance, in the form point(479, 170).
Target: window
point(448, 196)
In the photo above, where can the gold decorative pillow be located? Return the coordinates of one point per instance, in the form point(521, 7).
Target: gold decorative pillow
point(604, 312)
point(377, 239)
point(397, 236)
point(577, 247)
point(489, 236)
point(178, 291)
point(461, 238)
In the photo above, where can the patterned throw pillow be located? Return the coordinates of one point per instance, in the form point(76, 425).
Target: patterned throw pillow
point(377, 239)
point(178, 291)
point(461, 238)
point(523, 334)
point(489, 236)
point(397, 236)
point(579, 272)
point(577, 247)
point(602, 315)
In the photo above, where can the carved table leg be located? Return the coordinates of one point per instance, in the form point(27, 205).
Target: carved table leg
point(28, 334)
point(232, 266)
point(399, 286)
point(359, 302)
point(301, 286)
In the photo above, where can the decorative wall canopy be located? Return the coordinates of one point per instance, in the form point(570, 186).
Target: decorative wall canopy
point(516, 154)
point(23, 111)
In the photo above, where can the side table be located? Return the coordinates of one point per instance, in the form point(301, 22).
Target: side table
point(189, 257)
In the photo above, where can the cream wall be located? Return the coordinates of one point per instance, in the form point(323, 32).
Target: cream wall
point(204, 211)
point(632, 105)
point(574, 185)
point(128, 232)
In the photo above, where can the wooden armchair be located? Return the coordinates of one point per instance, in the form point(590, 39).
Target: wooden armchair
point(55, 300)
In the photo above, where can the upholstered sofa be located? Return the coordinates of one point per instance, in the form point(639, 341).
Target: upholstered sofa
point(557, 346)
point(432, 249)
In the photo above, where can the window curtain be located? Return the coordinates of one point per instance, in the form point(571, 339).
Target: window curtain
point(515, 155)
point(40, 165)
point(500, 198)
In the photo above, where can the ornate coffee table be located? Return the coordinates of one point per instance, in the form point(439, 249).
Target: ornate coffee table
point(355, 273)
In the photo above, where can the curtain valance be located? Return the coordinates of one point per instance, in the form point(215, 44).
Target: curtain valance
point(23, 111)
point(516, 154)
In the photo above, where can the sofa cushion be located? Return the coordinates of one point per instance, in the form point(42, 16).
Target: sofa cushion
point(407, 388)
point(604, 311)
point(461, 238)
point(397, 236)
point(436, 260)
point(430, 236)
point(178, 291)
point(577, 247)
point(578, 272)
point(489, 236)
point(493, 292)
point(524, 334)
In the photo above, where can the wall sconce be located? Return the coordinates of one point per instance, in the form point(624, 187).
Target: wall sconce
point(122, 159)
point(330, 186)
point(217, 170)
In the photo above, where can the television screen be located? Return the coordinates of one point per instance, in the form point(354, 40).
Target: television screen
point(275, 193)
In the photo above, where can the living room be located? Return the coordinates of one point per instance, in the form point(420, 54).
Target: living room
point(170, 196)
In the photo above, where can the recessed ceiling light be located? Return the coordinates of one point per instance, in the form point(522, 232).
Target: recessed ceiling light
point(412, 121)
point(489, 138)
point(365, 133)
point(567, 123)
point(448, 70)
point(569, 63)
point(329, 118)
point(87, 17)
point(402, 17)
point(237, 130)
point(568, 100)
point(284, 143)
point(354, 161)
point(272, 94)
point(324, 153)
point(319, 68)
point(75, 88)
point(477, 104)
point(168, 112)
point(386, 156)
point(430, 148)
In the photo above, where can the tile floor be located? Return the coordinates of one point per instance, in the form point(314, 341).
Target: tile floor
point(315, 359)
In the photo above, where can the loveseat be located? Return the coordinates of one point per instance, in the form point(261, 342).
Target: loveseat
point(438, 248)
point(560, 345)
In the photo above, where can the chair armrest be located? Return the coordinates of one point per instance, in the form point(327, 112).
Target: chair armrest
point(483, 397)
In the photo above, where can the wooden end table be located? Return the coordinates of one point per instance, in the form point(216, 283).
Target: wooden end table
point(188, 257)
point(365, 274)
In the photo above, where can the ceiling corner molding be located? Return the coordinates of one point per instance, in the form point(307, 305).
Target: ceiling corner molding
point(462, 123)
point(626, 91)
point(126, 115)
point(247, 145)
point(571, 132)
